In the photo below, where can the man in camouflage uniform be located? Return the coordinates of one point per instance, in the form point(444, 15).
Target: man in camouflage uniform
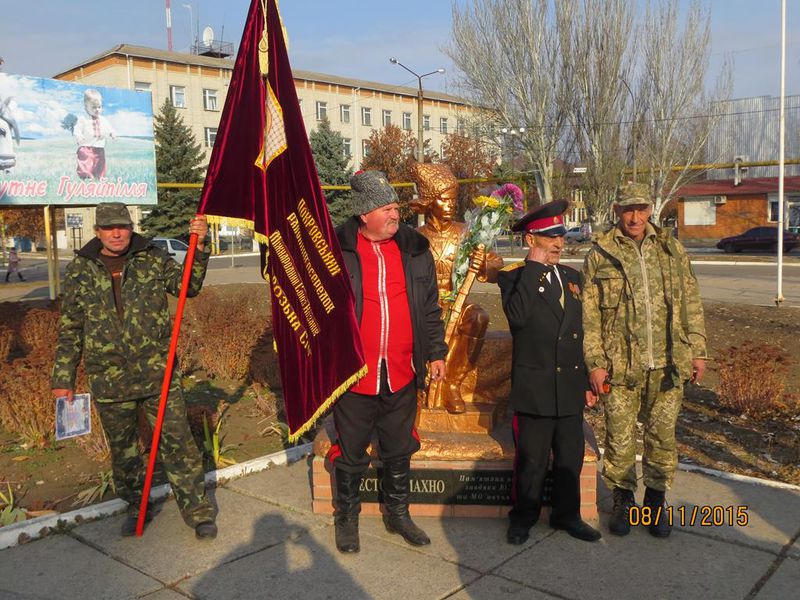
point(644, 336)
point(115, 312)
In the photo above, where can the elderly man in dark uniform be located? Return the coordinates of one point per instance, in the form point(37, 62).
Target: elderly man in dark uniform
point(549, 384)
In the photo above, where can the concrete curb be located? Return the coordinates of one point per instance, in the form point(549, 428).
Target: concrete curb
point(41, 526)
point(779, 485)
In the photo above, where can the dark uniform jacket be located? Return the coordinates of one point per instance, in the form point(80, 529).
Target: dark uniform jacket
point(124, 359)
point(421, 288)
point(548, 375)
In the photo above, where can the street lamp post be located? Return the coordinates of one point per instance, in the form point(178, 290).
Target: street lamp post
point(513, 131)
point(420, 99)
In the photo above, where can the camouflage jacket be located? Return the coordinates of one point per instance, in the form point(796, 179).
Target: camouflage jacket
point(124, 358)
point(616, 320)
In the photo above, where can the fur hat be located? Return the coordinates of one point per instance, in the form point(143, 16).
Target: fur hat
point(371, 190)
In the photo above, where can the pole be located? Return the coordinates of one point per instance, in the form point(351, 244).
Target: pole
point(54, 244)
point(49, 252)
point(634, 127)
point(3, 238)
point(169, 27)
point(781, 158)
point(165, 384)
point(420, 135)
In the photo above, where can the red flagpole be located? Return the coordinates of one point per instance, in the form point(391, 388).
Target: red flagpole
point(165, 385)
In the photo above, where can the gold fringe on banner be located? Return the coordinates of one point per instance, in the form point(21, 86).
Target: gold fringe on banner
point(235, 222)
point(346, 385)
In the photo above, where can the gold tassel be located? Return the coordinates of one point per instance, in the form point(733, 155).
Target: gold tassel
point(293, 437)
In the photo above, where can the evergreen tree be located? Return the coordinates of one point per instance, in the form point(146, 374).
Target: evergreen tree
point(179, 159)
point(327, 147)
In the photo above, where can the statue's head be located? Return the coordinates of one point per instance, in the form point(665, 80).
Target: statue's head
point(438, 190)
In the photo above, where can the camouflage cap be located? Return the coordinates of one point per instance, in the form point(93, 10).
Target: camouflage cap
point(633, 193)
point(371, 190)
point(112, 213)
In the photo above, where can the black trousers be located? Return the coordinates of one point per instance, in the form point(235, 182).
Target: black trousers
point(356, 416)
point(534, 437)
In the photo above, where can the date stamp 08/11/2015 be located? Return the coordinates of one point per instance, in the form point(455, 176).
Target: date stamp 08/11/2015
point(689, 516)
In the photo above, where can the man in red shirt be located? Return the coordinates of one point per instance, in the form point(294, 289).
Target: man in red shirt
point(396, 299)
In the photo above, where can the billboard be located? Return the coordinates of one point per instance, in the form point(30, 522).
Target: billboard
point(70, 144)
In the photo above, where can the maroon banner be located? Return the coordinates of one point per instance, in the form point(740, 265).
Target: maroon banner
point(262, 176)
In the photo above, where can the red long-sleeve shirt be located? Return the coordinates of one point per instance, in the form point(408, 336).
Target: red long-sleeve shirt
point(385, 327)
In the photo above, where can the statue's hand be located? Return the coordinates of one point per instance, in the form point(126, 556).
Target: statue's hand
point(478, 258)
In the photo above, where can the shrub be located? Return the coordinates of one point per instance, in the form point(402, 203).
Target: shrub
point(221, 331)
point(26, 404)
point(6, 343)
point(39, 332)
point(27, 409)
point(752, 379)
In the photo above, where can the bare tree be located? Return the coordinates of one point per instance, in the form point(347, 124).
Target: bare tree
point(679, 111)
point(508, 56)
point(597, 44)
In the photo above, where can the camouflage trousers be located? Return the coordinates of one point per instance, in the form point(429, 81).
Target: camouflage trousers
point(656, 403)
point(177, 452)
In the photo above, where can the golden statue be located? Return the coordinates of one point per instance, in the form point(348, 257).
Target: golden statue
point(438, 196)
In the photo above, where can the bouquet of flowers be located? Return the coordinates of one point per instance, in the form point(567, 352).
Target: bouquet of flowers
point(485, 223)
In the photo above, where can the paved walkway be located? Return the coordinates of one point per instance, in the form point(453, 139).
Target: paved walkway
point(272, 546)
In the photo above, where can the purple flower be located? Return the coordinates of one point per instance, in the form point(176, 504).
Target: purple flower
point(512, 191)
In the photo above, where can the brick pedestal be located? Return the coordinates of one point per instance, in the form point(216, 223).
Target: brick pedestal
point(443, 487)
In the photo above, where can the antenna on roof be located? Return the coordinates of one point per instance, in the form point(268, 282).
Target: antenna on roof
point(208, 36)
point(169, 27)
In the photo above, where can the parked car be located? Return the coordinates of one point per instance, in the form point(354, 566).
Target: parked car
point(175, 248)
point(758, 238)
point(576, 234)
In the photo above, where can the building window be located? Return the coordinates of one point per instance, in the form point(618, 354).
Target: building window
point(443, 124)
point(406, 120)
point(347, 147)
point(177, 95)
point(344, 113)
point(210, 100)
point(141, 86)
point(790, 209)
point(700, 210)
point(322, 110)
point(442, 153)
point(365, 148)
point(461, 128)
point(366, 116)
point(387, 118)
point(211, 136)
point(426, 122)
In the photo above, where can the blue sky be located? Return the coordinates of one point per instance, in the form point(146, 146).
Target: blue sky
point(352, 37)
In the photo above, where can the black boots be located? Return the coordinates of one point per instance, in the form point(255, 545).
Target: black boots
point(348, 505)
point(656, 518)
point(620, 523)
point(659, 525)
point(207, 530)
point(395, 498)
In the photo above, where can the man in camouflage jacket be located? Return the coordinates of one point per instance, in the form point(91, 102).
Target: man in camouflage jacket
point(115, 313)
point(644, 338)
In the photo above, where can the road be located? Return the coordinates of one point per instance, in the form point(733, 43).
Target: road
point(743, 281)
